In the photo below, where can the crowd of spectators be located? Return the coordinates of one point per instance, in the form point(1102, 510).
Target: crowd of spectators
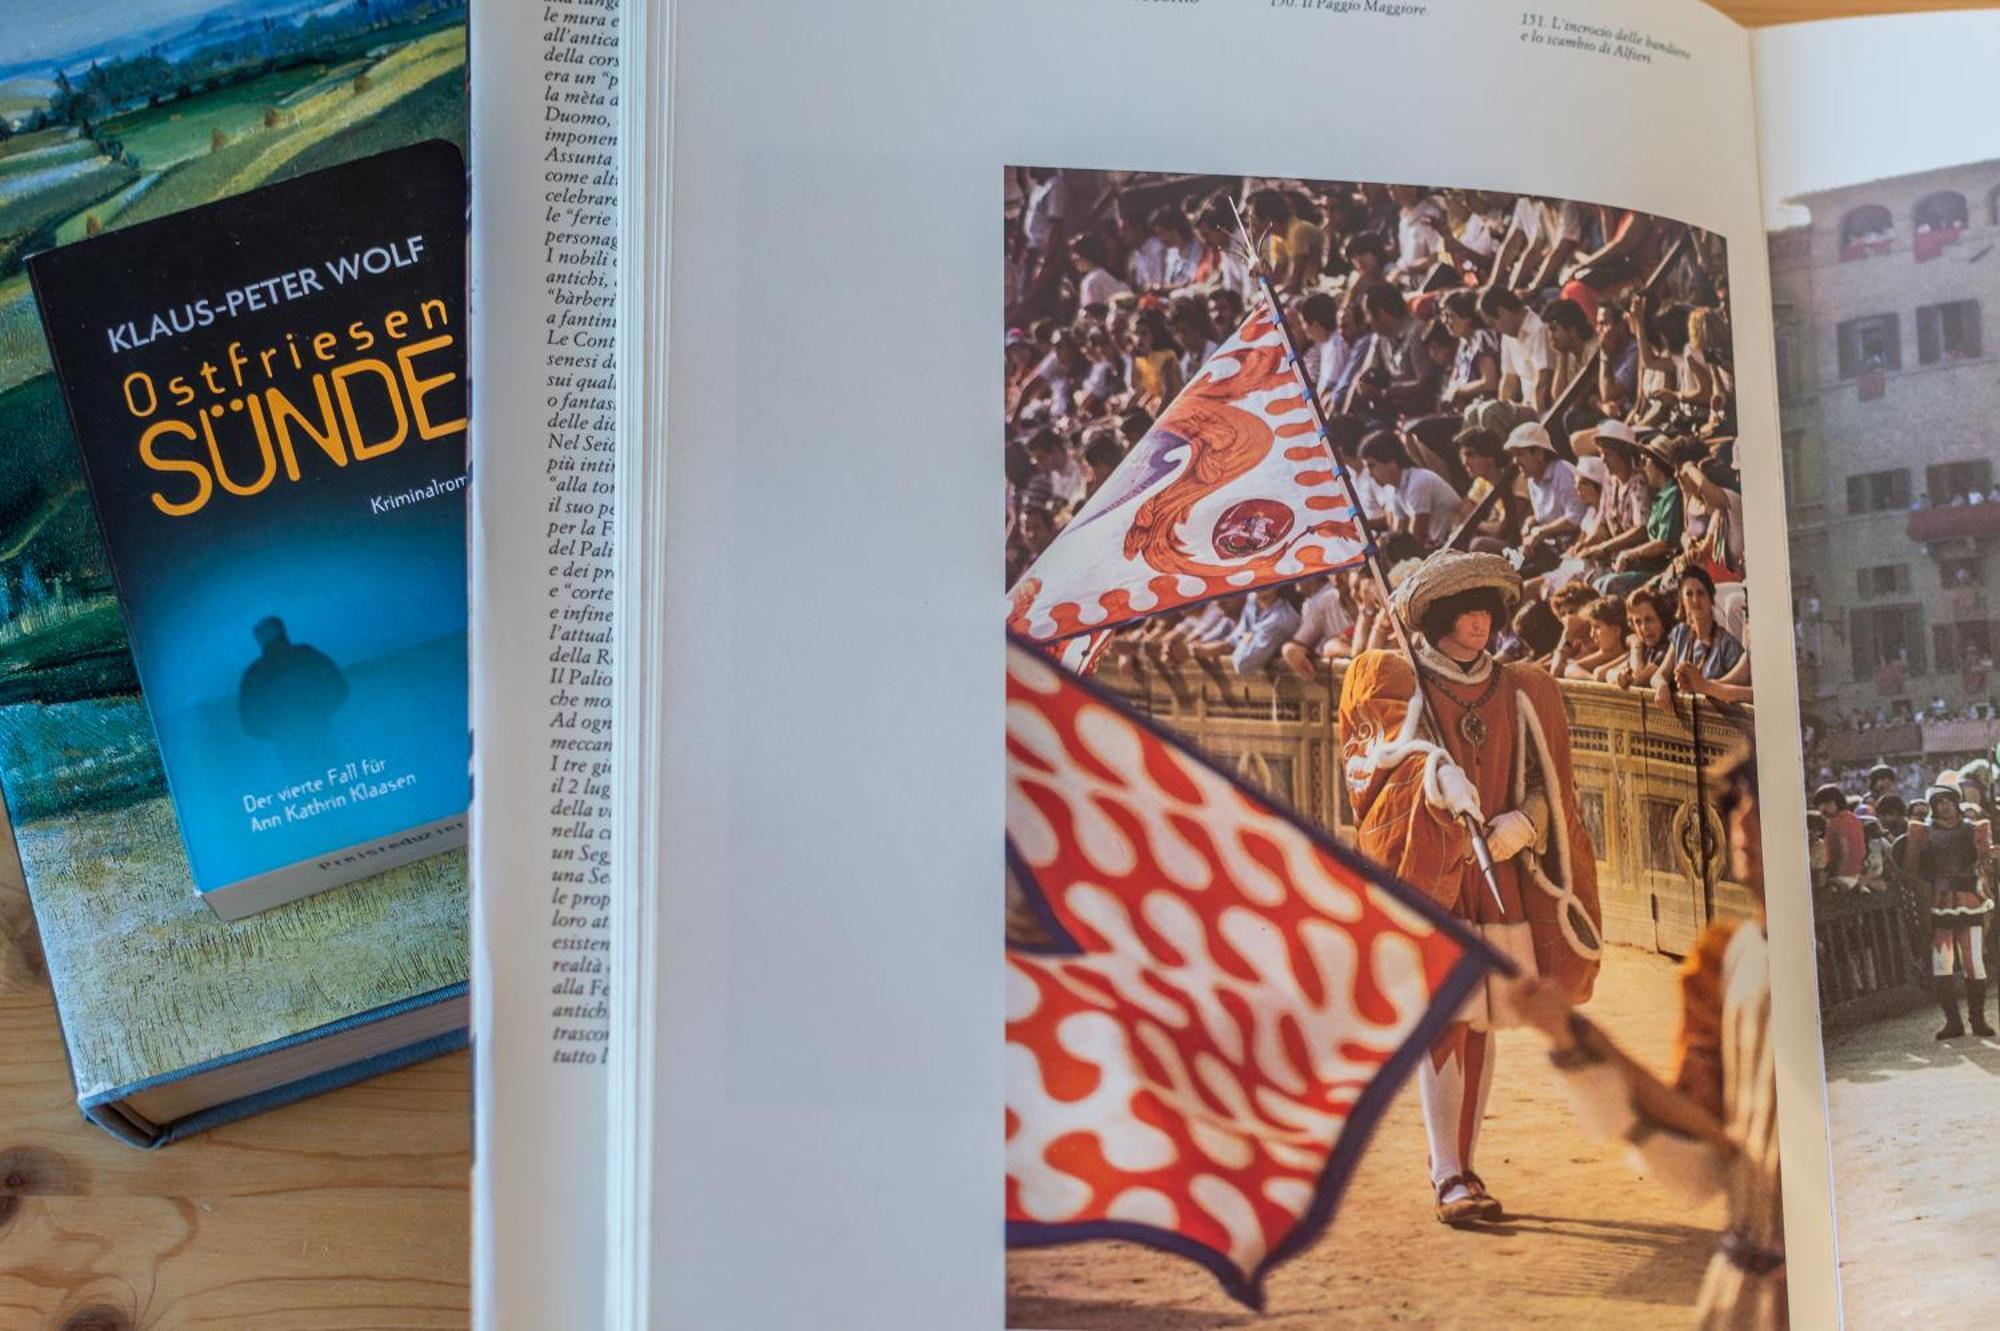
point(1575, 357)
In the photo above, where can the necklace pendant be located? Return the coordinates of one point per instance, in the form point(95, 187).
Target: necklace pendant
point(1473, 727)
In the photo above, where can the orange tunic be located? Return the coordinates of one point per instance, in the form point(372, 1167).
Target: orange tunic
point(1399, 828)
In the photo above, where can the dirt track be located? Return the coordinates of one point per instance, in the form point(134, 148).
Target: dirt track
point(1914, 1173)
point(1587, 1243)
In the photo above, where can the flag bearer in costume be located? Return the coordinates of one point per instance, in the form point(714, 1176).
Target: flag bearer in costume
point(1714, 1129)
point(1947, 859)
point(1503, 763)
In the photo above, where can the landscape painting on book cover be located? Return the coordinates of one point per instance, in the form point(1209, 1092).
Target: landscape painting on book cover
point(1378, 704)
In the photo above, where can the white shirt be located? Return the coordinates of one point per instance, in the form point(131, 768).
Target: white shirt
point(1424, 495)
point(1147, 266)
point(1416, 244)
point(1555, 496)
point(1046, 204)
point(1482, 234)
point(1322, 617)
point(1526, 354)
point(1333, 354)
point(1098, 287)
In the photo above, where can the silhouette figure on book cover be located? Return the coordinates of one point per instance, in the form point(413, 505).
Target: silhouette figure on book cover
point(289, 695)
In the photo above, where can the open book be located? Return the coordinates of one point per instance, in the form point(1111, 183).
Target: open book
point(1426, 450)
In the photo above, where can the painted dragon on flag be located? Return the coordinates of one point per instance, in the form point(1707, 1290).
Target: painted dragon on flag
point(1219, 1003)
point(1231, 489)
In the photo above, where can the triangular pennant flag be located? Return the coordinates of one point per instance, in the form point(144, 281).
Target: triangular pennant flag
point(1231, 489)
point(1230, 1001)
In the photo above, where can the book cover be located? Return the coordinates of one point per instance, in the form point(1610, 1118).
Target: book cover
point(268, 394)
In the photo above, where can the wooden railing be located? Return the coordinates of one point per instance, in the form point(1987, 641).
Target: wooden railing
point(1873, 951)
point(1661, 865)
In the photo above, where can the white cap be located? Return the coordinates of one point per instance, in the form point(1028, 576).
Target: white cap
point(1592, 469)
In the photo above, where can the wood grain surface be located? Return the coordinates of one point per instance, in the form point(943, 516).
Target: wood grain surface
point(344, 1213)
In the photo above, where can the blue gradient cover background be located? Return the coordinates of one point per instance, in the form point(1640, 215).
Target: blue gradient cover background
point(380, 594)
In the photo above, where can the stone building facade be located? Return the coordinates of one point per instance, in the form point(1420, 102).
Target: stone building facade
point(1888, 350)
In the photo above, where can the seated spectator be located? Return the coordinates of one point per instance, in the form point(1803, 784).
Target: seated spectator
point(1190, 260)
point(1626, 497)
point(1475, 367)
point(1618, 365)
point(1056, 380)
point(1650, 618)
point(1156, 366)
point(1145, 251)
point(1571, 338)
point(1534, 634)
point(1481, 453)
point(1576, 565)
point(1712, 535)
point(1215, 228)
point(1211, 623)
point(1104, 381)
point(1225, 311)
point(1055, 479)
point(1607, 640)
point(1294, 249)
point(1702, 656)
point(1527, 358)
point(1268, 619)
point(1415, 499)
point(1419, 219)
point(1193, 333)
point(1095, 284)
point(1327, 345)
point(1399, 377)
point(1555, 508)
point(1324, 623)
point(1642, 562)
point(1103, 450)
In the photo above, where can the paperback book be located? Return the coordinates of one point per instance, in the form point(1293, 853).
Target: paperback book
point(269, 396)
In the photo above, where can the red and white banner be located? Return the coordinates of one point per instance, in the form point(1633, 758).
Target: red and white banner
point(1230, 1002)
point(1231, 489)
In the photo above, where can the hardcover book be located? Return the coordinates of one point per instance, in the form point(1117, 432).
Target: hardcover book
point(268, 393)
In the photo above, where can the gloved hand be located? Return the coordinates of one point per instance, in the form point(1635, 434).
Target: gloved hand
point(1454, 792)
point(1509, 833)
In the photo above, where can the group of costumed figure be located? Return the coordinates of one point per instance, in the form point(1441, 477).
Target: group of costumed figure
point(1489, 756)
point(1943, 852)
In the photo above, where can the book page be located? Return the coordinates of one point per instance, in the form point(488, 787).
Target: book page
point(918, 283)
point(1882, 177)
point(545, 288)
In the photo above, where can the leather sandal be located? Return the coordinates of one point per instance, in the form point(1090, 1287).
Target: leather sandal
point(1477, 1187)
point(1467, 1210)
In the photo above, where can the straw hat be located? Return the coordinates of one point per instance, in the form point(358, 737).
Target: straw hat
point(1449, 572)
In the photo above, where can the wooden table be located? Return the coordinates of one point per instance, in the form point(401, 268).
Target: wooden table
point(348, 1211)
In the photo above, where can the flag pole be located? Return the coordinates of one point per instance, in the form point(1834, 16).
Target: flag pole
point(1371, 552)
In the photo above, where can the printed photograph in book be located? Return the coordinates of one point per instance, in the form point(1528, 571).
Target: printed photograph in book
point(1384, 888)
point(1887, 394)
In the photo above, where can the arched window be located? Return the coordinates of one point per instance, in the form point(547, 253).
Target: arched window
point(1939, 219)
point(1866, 230)
point(1942, 211)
